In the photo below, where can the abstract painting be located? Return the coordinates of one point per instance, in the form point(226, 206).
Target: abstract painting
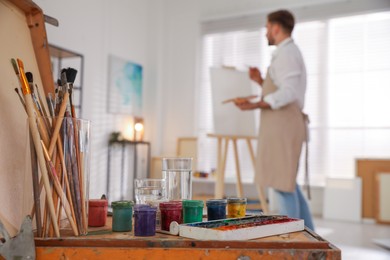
point(125, 87)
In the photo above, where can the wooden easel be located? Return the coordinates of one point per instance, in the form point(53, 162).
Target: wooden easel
point(221, 166)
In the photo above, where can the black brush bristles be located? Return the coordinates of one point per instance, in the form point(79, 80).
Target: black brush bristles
point(71, 75)
point(30, 78)
point(64, 79)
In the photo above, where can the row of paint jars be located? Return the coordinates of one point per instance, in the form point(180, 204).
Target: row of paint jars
point(189, 211)
point(186, 211)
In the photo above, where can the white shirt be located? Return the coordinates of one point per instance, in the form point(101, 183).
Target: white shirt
point(288, 73)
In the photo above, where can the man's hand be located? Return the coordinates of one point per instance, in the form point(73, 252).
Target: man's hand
point(245, 104)
point(255, 75)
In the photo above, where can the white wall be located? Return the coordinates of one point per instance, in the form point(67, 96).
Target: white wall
point(160, 35)
point(97, 29)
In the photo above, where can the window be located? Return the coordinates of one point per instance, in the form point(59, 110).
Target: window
point(348, 87)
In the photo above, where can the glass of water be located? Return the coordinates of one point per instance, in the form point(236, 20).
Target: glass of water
point(148, 191)
point(178, 175)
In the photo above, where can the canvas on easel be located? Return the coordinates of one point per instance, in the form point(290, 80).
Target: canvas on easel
point(226, 84)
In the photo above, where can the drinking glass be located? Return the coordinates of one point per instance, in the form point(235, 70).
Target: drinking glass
point(148, 191)
point(178, 175)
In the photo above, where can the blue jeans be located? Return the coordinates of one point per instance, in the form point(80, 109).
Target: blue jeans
point(294, 205)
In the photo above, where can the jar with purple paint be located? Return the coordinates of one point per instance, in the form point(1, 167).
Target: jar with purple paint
point(144, 220)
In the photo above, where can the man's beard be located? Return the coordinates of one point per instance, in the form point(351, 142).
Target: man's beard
point(271, 41)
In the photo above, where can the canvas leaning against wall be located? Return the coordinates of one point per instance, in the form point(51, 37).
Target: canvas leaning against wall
point(125, 87)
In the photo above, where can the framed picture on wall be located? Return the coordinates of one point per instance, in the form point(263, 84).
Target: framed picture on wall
point(124, 87)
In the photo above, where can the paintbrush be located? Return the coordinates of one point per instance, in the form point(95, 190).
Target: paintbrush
point(20, 98)
point(74, 169)
point(238, 98)
point(60, 192)
point(61, 113)
point(70, 77)
point(36, 138)
point(50, 104)
point(36, 192)
point(41, 101)
point(38, 101)
point(29, 77)
point(35, 178)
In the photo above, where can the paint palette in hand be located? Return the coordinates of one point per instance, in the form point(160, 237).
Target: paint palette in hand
point(241, 228)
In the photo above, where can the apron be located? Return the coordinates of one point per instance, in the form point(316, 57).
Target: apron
point(281, 135)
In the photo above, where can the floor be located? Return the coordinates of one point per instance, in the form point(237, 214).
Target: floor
point(356, 240)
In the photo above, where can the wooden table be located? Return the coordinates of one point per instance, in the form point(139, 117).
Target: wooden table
point(105, 244)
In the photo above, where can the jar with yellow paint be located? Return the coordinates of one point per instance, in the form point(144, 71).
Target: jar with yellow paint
point(236, 207)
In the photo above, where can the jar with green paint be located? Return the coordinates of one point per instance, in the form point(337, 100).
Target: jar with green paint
point(192, 211)
point(122, 214)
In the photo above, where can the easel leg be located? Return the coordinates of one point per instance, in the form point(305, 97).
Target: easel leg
point(263, 201)
point(220, 182)
point(238, 172)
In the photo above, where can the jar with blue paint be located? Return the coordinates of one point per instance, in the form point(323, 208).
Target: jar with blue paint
point(216, 209)
point(122, 215)
point(144, 220)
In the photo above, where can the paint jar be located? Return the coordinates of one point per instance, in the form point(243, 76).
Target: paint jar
point(97, 212)
point(170, 211)
point(236, 207)
point(122, 214)
point(192, 211)
point(216, 209)
point(144, 220)
point(178, 175)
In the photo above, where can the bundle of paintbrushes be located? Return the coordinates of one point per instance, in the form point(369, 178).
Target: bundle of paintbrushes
point(59, 154)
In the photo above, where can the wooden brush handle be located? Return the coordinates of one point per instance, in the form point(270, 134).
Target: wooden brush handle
point(64, 171)
point(58, 124)
point(41, 160)
point(62, 197)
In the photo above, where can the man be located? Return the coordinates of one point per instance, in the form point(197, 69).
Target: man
point(282, 123)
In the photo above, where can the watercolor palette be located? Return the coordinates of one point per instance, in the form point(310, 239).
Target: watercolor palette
point(241, 228)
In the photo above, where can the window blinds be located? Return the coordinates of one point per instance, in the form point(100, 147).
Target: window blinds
point(348, 63)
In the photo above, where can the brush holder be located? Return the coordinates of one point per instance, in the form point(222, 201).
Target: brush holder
point(60, 158)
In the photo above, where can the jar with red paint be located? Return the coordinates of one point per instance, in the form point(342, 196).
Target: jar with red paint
point(170, 211)
point(97, 212)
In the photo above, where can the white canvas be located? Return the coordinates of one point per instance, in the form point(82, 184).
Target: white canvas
point(228, 119)
point(384, 195)
point(338, 194)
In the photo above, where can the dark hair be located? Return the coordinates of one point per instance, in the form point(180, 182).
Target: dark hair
point(283, 18)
